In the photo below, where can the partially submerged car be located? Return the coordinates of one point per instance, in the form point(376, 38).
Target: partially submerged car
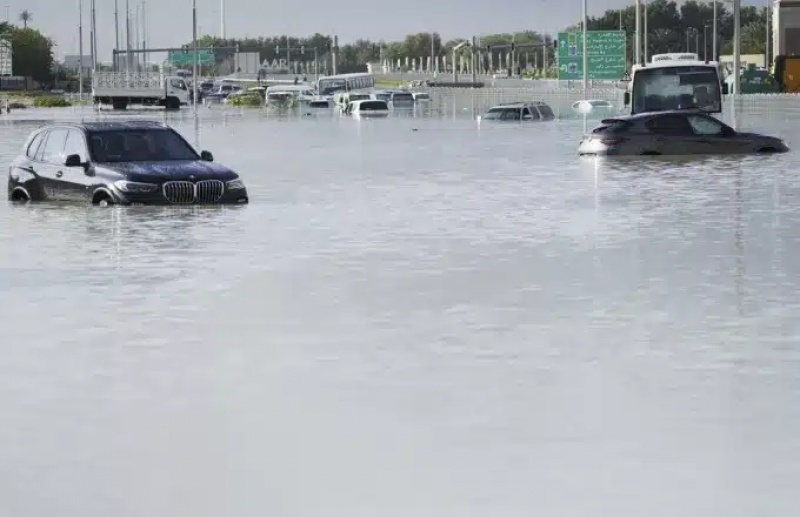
point(535, 111)
point(676, 132)
point(123, 162)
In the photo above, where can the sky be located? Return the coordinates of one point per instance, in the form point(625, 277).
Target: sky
point(171, 24)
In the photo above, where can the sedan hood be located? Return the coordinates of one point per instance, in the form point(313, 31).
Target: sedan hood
point(156, 172)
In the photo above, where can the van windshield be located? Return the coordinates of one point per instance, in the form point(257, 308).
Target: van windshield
point(676, 87)
point(139, 145)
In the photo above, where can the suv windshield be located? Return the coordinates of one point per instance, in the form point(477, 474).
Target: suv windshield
point(677, 87)
point(139, 145)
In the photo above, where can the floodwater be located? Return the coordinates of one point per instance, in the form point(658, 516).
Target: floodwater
point(414, 316)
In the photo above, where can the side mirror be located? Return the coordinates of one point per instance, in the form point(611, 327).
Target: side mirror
point(626, 98)
point(724, 88)
point(206, 156)
point(73, 160)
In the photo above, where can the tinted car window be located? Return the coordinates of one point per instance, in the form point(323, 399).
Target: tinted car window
point(372, 106)
point(402, 97)
point(141, 145)
point(75, 144)
point(530, 114)
point(613, 126)
point(54, 147)
point(493, 114)
point(670, 125)
point(34, 145)
point(511, 114)
point(546, 111)
point(706, 126)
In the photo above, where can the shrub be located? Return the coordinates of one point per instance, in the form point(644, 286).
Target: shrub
point(51, 102)
point(247, 100)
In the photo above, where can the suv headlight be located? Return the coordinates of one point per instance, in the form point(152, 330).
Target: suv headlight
point(134, 187)
point(236, 184)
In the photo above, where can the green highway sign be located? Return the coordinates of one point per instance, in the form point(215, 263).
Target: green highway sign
point(186, 58)
point(606, 50)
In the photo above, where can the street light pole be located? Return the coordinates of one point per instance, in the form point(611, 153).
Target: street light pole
point(766, 42)
point(714, 34)
point(455, 68)
point(584, 49)
point(637, 35)
point(116, 35)
point(194, 57)
point(705, 42)
point(737, 57)
point(80, 51)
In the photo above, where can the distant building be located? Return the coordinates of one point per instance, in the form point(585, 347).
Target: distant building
point(73, 63)
point(6, 57)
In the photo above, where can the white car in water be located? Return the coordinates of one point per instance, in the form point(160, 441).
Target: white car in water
point(593, 108)
point(367, 109)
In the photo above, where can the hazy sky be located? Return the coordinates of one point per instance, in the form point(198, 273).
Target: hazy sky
point(171, 24)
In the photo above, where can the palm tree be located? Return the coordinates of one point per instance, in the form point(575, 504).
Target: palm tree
point(25, 16)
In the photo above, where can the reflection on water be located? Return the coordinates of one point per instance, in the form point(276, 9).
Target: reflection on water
point(413, 315)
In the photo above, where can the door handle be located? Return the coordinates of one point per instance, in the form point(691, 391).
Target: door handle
point(59, 174)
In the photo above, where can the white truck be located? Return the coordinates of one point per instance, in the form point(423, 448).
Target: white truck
point(120, 89)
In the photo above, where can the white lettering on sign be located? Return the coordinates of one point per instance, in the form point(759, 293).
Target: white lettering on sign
point(276, 64)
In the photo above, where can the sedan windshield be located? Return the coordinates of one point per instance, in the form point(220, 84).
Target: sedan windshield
point(139, 145)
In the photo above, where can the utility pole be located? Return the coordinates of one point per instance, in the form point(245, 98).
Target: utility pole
point(222, 19)
point(737, 56)
point(434, 64)
point(144, 35)
point(584, 17)
point(128, 55)
point(714, 33)
point(80, 51)
point(637, 35)
point(194, 57)
point(645, 50)
point(91, 34)
point(94, 32)
point(116, 35)
point(136, 21)
point(766, 42)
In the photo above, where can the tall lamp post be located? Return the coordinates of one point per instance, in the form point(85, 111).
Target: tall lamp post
point(714, 34)
point(697, 41)
point(705, 42)
point(455, 68)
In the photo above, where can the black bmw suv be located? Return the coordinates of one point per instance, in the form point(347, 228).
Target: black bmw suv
point(125, 162)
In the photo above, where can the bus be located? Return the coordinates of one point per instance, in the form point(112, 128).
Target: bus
point(331, 84)
point(676, 81)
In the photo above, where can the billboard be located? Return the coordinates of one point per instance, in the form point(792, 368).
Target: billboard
point(246, 62)
point(5, 57)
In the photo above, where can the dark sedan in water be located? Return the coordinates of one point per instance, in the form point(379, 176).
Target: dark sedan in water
point(680, 132)
point(127, 162)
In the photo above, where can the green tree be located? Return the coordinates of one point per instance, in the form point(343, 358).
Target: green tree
point(25, 16)
point(32, 54)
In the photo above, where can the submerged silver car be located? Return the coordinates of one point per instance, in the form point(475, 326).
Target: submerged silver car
point(680, 132)
point(528, 111)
